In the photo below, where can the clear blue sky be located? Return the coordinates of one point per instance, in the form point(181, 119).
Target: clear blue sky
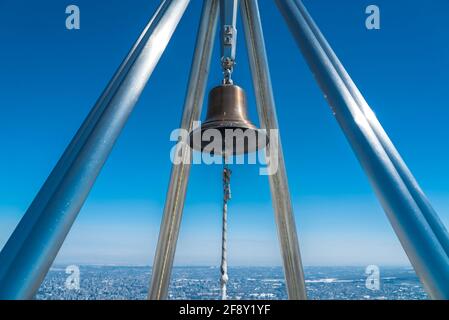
point(50, 78)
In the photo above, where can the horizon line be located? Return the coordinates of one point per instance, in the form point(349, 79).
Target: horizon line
point(235, 266)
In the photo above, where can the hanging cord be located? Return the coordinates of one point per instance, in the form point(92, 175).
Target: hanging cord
point(226, 197)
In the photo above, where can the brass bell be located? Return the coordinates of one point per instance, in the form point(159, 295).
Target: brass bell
point(227, 113)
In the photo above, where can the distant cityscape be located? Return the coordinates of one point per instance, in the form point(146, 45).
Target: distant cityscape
point(249, 283)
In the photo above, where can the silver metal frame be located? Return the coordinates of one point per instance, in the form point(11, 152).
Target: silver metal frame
point(419, 241)
point(174, 205)
point(30, 251)
point(280, 194)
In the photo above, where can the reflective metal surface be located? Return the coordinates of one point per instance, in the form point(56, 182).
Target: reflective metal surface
point(174, 203)
point(422, 246)
point(228, 37)
point(30, 251)
point(227, 113)
point(280, 194)
point(418, 195)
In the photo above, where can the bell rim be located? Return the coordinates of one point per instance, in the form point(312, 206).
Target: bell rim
point(232, 125)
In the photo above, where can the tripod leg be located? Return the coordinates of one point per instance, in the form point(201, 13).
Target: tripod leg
point(418, 195)
point(280, 193)
point(174, 204)
point(30, 251)
point(422, 246)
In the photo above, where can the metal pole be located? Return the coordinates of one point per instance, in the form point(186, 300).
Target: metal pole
point(280, 193)
point(174, 204)
point(30, 251)
point(64, 163)
point(415, 234)
point(418, 195)
point(228, 37)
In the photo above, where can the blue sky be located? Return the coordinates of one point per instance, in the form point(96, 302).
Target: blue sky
point(50, 78)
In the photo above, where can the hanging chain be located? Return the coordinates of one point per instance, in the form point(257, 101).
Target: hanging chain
point(226, 197)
